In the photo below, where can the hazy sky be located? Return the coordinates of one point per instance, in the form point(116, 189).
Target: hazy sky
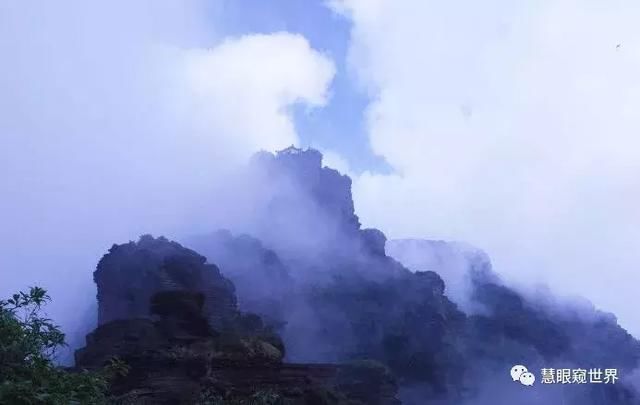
point(509, 125)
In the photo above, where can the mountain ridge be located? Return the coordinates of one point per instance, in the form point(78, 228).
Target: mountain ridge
point(447, 330)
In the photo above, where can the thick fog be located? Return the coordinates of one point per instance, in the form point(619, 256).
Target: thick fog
point(510, 129)
point(121, 118)
point(511, 126)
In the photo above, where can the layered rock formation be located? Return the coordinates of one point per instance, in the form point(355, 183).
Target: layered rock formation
point(445, 327)
point(329, 190)
point(261, 278)
point(459, 264)
point(131, 273)
point(181, 349)
point(445, 324)
point(306, 215)
point(506, 327)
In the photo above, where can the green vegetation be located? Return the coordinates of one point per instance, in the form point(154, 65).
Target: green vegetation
point(316, 396)
point(28, 344)
point(258, 398)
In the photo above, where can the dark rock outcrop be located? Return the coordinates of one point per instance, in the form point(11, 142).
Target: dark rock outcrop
point(130, 274)
point(444, 329)
point(308, 218)
point(327, 188)
point(176, 358)
point(405, 323)
point(458, 264)
point(261, 278)
point(506, 327)
point(374, 242)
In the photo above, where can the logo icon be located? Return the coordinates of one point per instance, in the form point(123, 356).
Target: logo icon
point(522, 375)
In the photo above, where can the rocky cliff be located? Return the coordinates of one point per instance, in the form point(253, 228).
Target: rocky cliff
point(459, 264)
point(172, 319)
point(442, 328)
point(261, 278)
point(306, 215)
point(506, 327)
point(444, 323)
point(131, 273)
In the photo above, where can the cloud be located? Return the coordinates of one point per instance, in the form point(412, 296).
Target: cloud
point(512, 126)
point(337, 162)
point(261, 74)
point(121, 118)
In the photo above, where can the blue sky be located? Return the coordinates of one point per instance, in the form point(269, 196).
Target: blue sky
point(339, 126)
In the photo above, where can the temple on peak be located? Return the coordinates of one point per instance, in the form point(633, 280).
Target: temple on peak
point(291, 150)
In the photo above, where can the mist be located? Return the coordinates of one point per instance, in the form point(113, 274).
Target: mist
point(119, 119)
point(510, 126)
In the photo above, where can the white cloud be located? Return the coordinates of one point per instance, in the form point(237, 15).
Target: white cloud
point(120, 118)
point(337, 162)
point(512, 125)
point(245, 86)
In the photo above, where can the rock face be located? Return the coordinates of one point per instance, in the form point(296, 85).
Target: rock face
point(458, 264)
point(445, 327)
point(405, 323)
point(175, 357)
point(173, 319)
point(130, 274)
point(261, 278)
point(327, 188)
point(306, 212)
point(507, 327)
point(304, 218)
point(306, 236)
